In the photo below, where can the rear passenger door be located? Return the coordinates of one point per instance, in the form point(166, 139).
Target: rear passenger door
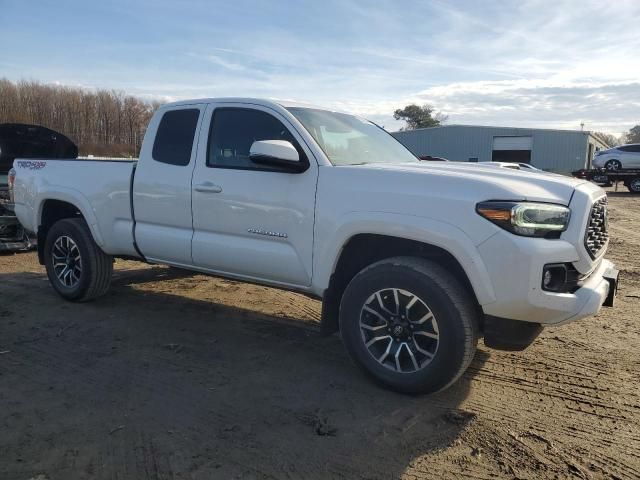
point(162, 185)
point(632, 157)
point(251, 220)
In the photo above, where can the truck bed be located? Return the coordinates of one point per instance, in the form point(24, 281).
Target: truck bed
point(102, 185)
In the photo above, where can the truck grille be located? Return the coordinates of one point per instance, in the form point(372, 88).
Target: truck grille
point(597, 235)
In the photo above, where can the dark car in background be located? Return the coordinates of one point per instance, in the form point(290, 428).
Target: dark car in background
point(24, 141)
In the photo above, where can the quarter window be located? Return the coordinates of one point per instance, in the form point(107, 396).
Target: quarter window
point(233, 131)
point(174, 139)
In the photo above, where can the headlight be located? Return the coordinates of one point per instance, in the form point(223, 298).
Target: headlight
point(527, 218)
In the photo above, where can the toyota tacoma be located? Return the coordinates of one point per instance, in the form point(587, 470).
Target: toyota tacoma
point(413, 261)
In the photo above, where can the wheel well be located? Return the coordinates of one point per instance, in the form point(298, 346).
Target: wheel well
point(363, 250)
point(52, 211)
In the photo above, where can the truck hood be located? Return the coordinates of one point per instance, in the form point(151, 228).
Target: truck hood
point(495, 183)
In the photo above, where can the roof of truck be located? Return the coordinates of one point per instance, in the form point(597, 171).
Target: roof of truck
point(256, 101)
point(259, 101)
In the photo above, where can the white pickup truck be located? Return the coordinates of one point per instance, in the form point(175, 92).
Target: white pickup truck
point(413, 261)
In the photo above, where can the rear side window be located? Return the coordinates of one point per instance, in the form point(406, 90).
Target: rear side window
point(233, 131)
point(174, 139)
point(630, 148)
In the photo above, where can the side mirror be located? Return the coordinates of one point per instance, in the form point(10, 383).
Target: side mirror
point(277, 153)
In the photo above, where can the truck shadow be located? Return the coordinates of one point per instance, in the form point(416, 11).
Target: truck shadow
point(149, 381)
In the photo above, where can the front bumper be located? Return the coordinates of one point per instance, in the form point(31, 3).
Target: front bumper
point(599, 290)
point(516, 264)
point(515, 335)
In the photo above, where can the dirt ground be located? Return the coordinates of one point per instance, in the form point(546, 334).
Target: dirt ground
point(183, 376)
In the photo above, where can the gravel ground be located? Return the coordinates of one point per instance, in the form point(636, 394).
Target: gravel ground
point(173, 375)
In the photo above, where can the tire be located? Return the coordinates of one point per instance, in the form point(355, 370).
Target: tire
point(68, 244)
point(613, 165)
point(634, 185)
point(438, 292)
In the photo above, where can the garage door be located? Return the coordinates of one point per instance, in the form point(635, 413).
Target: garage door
point(512, 143)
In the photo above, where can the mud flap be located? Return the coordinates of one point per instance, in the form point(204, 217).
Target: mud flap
point(611, 275)
point(509, 335)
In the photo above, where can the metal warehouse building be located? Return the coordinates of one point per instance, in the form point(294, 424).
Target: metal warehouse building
point(561, 151)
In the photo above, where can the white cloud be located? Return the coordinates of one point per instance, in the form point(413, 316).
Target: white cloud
point(537, 64)
point(529, 63)
point(235, 67)
point(539, 103)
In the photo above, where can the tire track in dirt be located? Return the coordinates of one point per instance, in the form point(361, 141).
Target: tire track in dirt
point(567, 401)
point(213, 378)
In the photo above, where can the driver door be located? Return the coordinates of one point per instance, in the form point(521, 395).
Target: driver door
point(250, 220)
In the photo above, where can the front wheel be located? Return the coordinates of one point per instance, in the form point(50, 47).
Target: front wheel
point(409, 324)
point(76, 266)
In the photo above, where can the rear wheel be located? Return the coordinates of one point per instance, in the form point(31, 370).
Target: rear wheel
point(77, 268)
point(613, 165)
point(409, 324)
point(634, 185)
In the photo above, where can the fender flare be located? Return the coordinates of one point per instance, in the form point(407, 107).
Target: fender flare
point(420, 229)
point(75, 198)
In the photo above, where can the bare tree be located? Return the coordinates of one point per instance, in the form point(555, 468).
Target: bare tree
point(101, 122)
point(608, 139)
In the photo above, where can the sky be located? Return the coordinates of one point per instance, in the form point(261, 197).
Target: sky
point(527, 63)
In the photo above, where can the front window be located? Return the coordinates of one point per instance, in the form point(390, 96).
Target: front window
point(233, 131)
point(350, 140)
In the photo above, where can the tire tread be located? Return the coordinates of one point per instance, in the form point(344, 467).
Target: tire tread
point(100, 264)
point(459, 297)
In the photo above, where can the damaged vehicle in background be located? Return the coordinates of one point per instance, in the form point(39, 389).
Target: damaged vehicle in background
point(24, 141)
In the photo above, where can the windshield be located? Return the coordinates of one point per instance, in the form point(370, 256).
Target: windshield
point(350, 140)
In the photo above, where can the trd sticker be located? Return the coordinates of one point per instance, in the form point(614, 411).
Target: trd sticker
point(32, 165)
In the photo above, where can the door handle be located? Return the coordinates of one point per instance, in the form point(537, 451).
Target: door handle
point(208, 187)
